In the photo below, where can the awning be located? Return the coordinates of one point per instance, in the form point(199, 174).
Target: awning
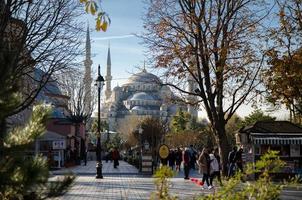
point(278, 140)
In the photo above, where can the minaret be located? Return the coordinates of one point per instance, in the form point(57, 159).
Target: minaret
point(192, 86)
point(87, 76)
point(108, 76)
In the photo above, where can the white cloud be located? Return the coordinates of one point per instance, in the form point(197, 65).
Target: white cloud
point(113, 37)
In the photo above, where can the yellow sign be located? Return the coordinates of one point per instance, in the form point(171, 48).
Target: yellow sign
point(163, 151)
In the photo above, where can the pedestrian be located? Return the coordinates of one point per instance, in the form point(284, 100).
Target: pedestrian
point(106, 156)
point(178, 159)
point(238, 159)
point(204, 164)
point(232, 162)
point(115, 157)
point(85, 156)
point(171, 159)
point(215, 166)
point(186, 162)
point(192, 157)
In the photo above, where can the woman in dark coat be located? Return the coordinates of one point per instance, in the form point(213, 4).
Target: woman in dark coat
point(115, 157)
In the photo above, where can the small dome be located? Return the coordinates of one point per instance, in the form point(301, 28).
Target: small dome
point(151, 108)
point(138, 108)
point(143, 77)
point(142, 96)
point(51, 86)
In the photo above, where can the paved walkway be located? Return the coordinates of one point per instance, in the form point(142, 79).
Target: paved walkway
point(122, 183)
point(125, 183)
point(90, 169)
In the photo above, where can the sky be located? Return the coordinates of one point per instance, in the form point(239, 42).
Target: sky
point(127, 50)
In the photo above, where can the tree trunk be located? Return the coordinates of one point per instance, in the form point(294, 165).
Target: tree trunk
point(2, 135)
point(223, 145)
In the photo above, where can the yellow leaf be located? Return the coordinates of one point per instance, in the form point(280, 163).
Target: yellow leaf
point(104, 26)
point(92, 9)
point(98, 24)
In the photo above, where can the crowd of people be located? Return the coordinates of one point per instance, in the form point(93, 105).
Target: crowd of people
point(207, 161)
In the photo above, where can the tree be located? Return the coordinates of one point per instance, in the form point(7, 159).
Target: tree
point(81, 103)
point(214, 42)
point(153, 131)
point(24, 177)
point(180, 121)
point(36, 36)
point(127, 128)
point(256, 115)
point(284, 76)
point(232, 127)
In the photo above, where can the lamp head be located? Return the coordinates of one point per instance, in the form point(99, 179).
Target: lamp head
point(100, 81)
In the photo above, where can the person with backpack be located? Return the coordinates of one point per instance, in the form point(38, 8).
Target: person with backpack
point(232, 162)
point(215, 166)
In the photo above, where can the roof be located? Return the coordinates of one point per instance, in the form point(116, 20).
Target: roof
point(50, 135)
point(142, 96)
point(145, 108)
point(50, 87)
point(143, 77)
point(272, 127)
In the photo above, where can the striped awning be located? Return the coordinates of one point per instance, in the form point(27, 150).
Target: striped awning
point(279, 140)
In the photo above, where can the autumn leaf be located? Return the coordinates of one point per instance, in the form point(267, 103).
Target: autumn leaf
point(104, 26)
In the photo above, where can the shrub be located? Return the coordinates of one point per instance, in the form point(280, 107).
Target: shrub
point(162, 176)
point(261, 189)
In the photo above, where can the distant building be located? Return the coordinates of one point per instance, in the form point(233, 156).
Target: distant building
point(142, 95)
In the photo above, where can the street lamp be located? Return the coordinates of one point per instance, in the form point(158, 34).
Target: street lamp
point(99, 83)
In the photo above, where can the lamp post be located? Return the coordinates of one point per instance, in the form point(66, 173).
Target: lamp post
point(100, 83)
point(140, 132)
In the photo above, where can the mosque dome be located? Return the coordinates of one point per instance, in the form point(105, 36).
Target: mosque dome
point(142, 96)
point(143, 77)
point(50, 87)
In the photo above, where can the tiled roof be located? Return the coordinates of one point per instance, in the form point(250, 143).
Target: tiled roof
point(272, 127)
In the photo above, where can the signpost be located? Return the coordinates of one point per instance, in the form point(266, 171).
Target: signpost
point(163, 151)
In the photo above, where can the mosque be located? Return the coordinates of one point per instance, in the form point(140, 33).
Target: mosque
point(143, 95)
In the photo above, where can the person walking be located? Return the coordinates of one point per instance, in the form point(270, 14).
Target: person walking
point(178, 159)
point(238, 159)
point(171, 159)
point(186, 162)
point(115, 157)
point(85, 156)
point(192, 156)
point(215, 166)
point(204, 165)
point(232, 162)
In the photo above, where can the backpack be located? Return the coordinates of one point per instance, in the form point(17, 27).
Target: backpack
point(214, 165)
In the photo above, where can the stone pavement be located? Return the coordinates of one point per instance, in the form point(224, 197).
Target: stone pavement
point(122, 183)
point(125, 183)
point(89, 169)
